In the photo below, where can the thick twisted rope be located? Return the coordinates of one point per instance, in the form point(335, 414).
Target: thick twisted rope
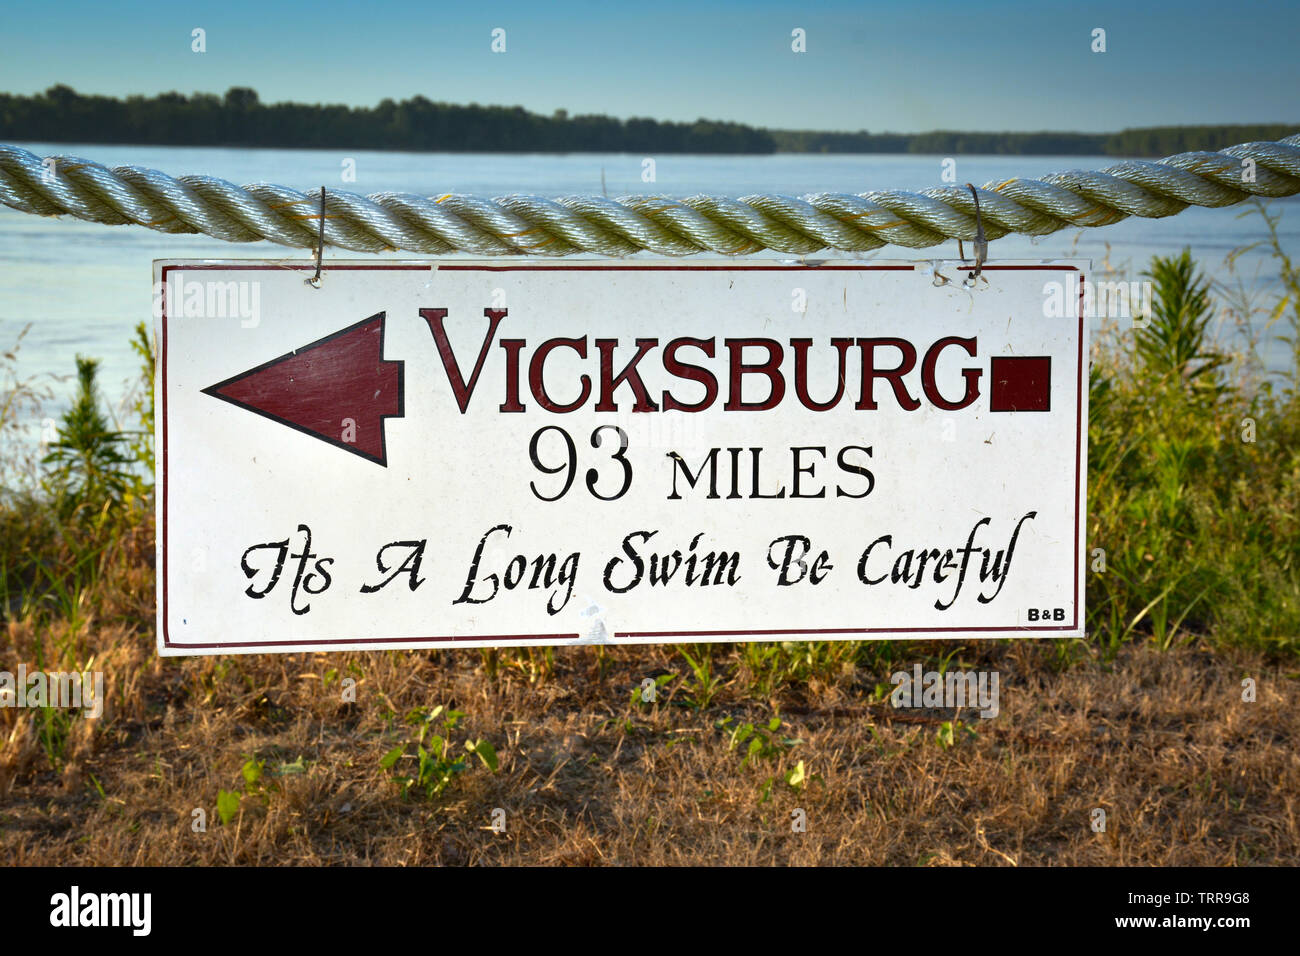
point(531, 225)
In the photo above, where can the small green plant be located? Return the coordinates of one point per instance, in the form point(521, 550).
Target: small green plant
point(491, 658)
point(706, 684)
point(770, 666)
point(536, 663)
point(796, 776)
point(228, 805)
point(251, 771)
point(53, 729)
point(952, 732)
point(638, 692)
point(1171, 346)
point(764, 742)
point(86, 466)
point(230, 801)
point(290, 769)
point(254, 774)
point(437, 760)
point(140, 442)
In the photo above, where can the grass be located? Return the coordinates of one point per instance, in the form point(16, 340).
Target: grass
point(1186, 772)
point(1194, 481)
point(702, 753)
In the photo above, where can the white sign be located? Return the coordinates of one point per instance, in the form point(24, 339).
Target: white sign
point(512, 453)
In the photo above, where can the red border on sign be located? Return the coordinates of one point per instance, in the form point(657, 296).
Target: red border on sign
point(451, 639)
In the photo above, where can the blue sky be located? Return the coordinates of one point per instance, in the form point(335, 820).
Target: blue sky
point(984, 64)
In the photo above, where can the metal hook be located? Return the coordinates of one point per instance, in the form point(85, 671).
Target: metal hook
point(314, 281)
point(981, 244)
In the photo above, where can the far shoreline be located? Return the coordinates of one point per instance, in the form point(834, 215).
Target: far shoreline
point(240, 120)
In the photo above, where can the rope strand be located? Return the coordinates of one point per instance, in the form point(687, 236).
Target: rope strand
point(532, 225)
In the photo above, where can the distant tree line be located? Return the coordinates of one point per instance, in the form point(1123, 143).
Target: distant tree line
point(1163, 140)
point(239, 118)
point(1155, 141)
point(944, 143)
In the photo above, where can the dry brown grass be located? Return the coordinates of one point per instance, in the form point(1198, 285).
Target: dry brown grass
point(1186, 771)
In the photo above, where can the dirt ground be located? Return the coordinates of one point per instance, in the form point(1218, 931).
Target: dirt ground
point(1186, 771)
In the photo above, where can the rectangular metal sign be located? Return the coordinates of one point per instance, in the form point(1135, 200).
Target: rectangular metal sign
point(469, 453)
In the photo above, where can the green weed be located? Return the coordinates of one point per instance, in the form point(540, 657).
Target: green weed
point(437, 761)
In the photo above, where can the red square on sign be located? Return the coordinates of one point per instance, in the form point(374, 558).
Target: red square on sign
point(1021, 384)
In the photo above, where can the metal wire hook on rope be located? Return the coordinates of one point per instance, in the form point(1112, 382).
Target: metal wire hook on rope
point(532, 225)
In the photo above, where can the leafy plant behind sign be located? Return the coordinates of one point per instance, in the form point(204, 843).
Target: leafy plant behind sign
point(87, 467)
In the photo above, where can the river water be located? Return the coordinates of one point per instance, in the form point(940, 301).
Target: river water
point(82, 286)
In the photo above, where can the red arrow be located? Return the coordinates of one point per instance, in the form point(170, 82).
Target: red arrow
point(338, 389)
